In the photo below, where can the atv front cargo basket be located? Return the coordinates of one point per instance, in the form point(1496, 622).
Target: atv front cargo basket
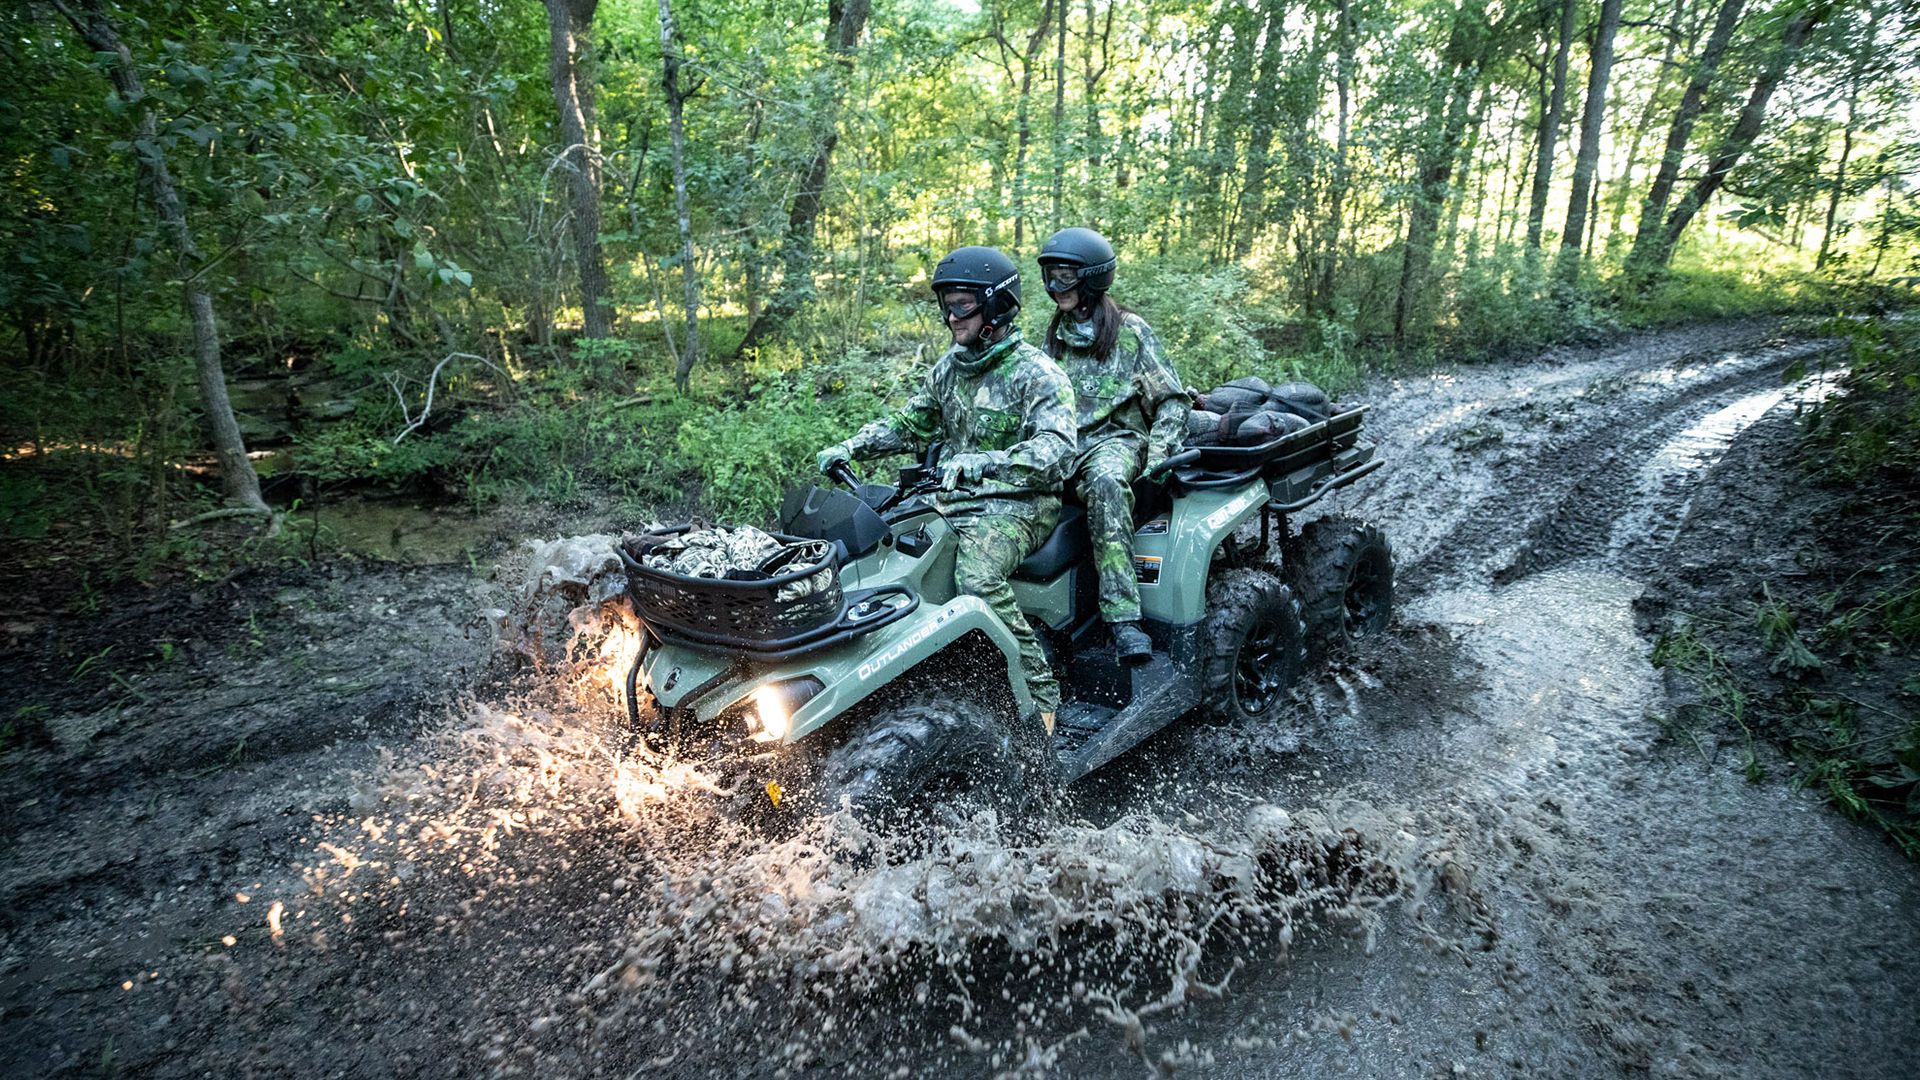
point(771, 611)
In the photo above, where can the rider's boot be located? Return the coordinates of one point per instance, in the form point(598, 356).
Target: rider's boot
point(1134, 644)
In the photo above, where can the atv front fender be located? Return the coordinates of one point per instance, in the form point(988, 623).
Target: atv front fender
point(850, 673)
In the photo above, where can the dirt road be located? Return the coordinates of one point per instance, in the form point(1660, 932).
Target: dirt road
point(284, 828)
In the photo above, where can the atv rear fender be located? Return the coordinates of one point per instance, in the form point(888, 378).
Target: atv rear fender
point(1172, 553)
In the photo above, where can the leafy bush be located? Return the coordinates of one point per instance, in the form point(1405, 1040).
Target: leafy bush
point(1872, 428)
point(749, 452)
point(1204, 315)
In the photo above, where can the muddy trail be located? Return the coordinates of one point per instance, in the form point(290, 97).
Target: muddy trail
point(290, 826)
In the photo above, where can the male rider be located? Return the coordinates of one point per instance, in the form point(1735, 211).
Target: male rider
point(1005, 415)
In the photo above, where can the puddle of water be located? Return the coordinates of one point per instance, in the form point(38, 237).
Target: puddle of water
point(1656, 900)
point(401, 532)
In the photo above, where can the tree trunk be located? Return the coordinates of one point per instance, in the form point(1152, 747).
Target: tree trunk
point(242, 484)
point(677, 95)
point(1452, 95)
point(569, 23)
point(1059, 106)
point(1092, 79)
point(1458, 183)
point(1343, 88)
point(1647, 116)
point(1746, 129)
point(1833, 197)
point(1251, 212)
point(845, 20)
point(1023, 122)
point(1550, 131)
point(1856, 77)
point(1886, 230)
point(1587, 164)
point(1646, 240)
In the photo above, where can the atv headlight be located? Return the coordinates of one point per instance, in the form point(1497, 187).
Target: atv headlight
point(774, 705)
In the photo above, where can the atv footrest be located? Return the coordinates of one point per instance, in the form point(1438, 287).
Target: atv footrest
point(1075, 724)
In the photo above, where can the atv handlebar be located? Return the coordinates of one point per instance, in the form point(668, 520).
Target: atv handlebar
point(840, 472)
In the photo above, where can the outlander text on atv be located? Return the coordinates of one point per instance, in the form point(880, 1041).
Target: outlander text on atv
point(866, 677)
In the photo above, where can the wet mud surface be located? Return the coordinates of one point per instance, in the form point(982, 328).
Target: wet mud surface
point(291, 827)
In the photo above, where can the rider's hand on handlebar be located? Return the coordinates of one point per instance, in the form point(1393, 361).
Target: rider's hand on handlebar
point(963, 469)
point(831, 456)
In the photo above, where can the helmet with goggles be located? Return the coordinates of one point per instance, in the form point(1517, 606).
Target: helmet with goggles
point(992, 278)
point(1077, 258)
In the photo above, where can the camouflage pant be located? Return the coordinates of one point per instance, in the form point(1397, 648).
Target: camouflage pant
point(991, 543)
point(1103, 478)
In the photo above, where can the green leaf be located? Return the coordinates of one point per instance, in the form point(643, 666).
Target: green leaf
point(363, 203)
point(463, 277)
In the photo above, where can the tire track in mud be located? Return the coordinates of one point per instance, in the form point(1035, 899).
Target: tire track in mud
point(1558, 500)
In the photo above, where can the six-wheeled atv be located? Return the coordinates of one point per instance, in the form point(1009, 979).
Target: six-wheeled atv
point(864, 676)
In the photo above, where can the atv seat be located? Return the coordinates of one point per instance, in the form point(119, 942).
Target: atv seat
point(1064, 548)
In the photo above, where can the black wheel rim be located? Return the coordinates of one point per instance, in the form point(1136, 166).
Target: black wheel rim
point(1365, 599)
point(1259, 670)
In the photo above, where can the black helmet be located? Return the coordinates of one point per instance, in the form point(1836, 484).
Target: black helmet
point(1087, 252)
point(990, 274)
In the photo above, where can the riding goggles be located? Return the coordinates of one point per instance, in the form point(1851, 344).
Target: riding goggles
point(1061, 276)
point(957, 310)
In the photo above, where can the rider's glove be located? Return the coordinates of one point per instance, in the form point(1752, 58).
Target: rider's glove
point(964, 469)
point(1155, 456)
point(838, 452)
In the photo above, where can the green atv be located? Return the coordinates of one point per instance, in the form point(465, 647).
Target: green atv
point(866, 678)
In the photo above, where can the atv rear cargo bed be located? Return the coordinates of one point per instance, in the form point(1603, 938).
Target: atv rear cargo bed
point(1298, 467)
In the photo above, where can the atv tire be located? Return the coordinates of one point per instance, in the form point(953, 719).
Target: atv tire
point(937, 757)
point(1342, 571)
point(1256, 645)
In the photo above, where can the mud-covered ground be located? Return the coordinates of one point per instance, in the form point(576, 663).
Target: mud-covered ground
point(288, 827)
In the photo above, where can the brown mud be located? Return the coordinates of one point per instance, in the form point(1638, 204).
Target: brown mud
point(290, 826)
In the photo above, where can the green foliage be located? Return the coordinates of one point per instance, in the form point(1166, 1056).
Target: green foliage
point(1873, 779)
point(25, 510)
point(370, 194)
point(1721, 698)
point(1497, 313)
point(1870, 431)
point(1779, 633)
point(1204, 316)
point(752, 450)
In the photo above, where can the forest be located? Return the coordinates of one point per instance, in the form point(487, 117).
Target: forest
point(648, 254)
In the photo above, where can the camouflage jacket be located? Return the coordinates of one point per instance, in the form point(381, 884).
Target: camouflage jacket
point(1133, 395)
point(1009, 402)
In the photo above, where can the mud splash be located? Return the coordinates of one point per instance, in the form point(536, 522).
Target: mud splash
point(783, 949)
point(816, 942)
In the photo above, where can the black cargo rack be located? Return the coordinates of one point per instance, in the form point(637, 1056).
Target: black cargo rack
point(747, 618)
point(1230, 466)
